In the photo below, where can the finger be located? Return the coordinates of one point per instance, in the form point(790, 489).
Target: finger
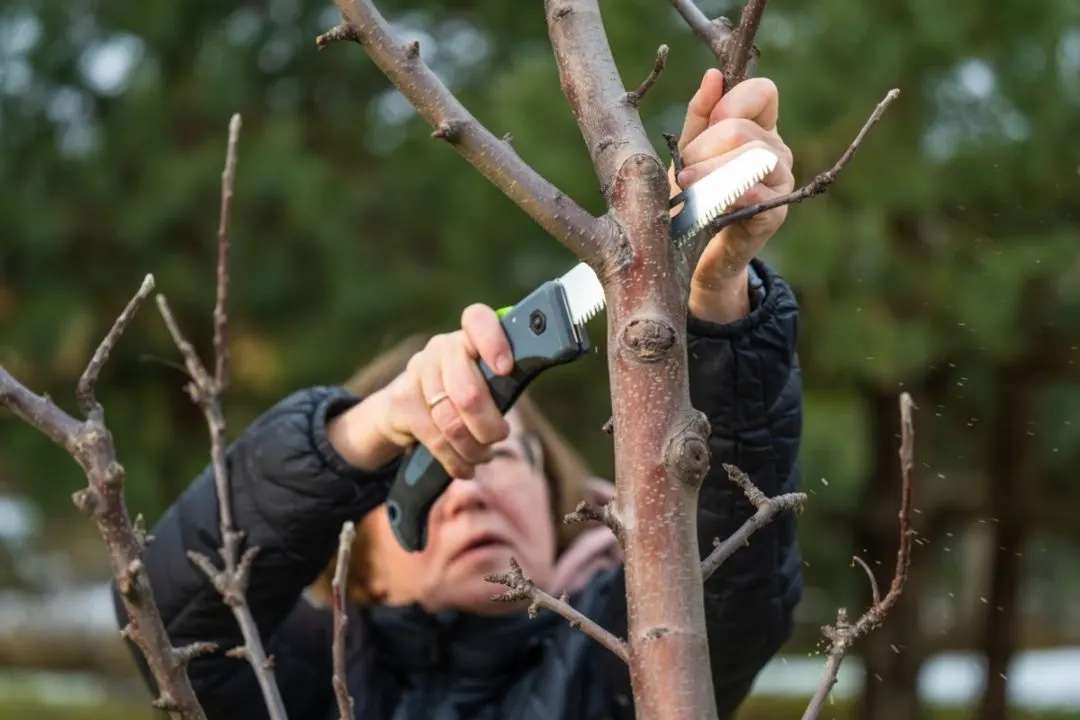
point(487, 338)
point(756, 99)
point(779, 178)
point(445, 414)
point(729, 134)
point(701, 105)
point(469, 392)
point(424, 429)
point(764, 223)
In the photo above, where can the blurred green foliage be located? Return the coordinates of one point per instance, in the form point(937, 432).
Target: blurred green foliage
point(945, 252)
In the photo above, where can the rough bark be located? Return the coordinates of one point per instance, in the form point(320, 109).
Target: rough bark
point(660, 440)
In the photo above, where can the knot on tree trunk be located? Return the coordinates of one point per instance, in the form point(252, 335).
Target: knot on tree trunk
point(687, 450)
point(648, 340)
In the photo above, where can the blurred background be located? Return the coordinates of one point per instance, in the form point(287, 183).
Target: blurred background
point(944, 262)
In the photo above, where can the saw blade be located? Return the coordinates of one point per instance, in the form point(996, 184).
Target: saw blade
point(711, 196)
point(584, 293)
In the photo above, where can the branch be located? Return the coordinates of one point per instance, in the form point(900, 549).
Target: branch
point(733, 46)
point(231, 581)
point(739, 52)
point(767, 509)
point(586, 236)
point(634, 97)
point(520, 587)
point(843, 634)
point(228, 180)
point(715, 33)
point(590, 81)
point(90, 443)
point(817, 186)
point(340, 587)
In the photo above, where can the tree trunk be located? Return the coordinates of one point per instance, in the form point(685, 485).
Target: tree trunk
point(1006, 454)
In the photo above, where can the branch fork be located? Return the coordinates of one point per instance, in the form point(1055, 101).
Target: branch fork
point(231, 581)
point(521, 588)
point(90, 443)
point(843, 634)
point(767, 510)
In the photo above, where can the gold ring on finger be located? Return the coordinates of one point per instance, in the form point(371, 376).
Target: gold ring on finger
point(436, 400)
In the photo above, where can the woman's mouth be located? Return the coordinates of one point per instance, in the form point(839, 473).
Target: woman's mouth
point(484, 543)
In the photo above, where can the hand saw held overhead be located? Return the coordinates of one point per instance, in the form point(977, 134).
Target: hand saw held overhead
point(547, 328)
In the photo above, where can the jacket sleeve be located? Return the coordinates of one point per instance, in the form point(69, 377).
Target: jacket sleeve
point(745, 377)
point(291, 492)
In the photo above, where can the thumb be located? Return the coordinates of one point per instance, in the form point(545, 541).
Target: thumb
point(701, 106)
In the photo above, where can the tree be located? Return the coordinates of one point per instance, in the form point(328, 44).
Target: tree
point(661, 446)
point(629, 246)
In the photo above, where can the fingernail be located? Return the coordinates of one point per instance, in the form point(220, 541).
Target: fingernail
point(685, 178)
point(504, 363)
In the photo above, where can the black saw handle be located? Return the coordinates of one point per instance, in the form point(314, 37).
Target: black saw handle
point(541, 335)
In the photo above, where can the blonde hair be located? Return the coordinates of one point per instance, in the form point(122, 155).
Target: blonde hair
point(564, 468)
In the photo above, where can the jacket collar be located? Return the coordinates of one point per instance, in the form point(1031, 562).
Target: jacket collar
point(411, 640)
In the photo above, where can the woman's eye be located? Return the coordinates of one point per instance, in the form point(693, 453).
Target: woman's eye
point(504, 453)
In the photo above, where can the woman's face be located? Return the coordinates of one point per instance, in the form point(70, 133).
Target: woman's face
point(474, 528)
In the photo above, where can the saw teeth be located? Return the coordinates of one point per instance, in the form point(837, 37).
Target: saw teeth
point(713, 194)
point(584, 293)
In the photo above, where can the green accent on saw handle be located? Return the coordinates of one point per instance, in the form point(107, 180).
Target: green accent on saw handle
point(541, 335)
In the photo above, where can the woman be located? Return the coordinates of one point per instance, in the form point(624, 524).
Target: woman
point(428, 641)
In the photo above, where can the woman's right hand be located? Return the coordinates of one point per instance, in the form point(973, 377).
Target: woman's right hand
point(440, 400)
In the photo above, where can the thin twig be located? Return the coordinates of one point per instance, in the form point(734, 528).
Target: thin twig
point(84, 391)
point(843, 634)
point(338, 33)
point(584, 512)
point(231, 581)
point(91, 445)
point(520, 587)
point(715, 33)
point(676, 155)
point(818, 185)
point(634, 97)
point(228, 181)
point(767, 509)
point(340, 587)
point(875, 592)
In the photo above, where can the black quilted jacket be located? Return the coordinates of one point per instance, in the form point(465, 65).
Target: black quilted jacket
point(292, 492)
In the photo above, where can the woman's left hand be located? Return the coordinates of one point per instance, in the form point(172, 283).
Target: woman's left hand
point(718, 128)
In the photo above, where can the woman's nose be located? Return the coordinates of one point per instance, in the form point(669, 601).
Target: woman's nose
point(462, 495)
